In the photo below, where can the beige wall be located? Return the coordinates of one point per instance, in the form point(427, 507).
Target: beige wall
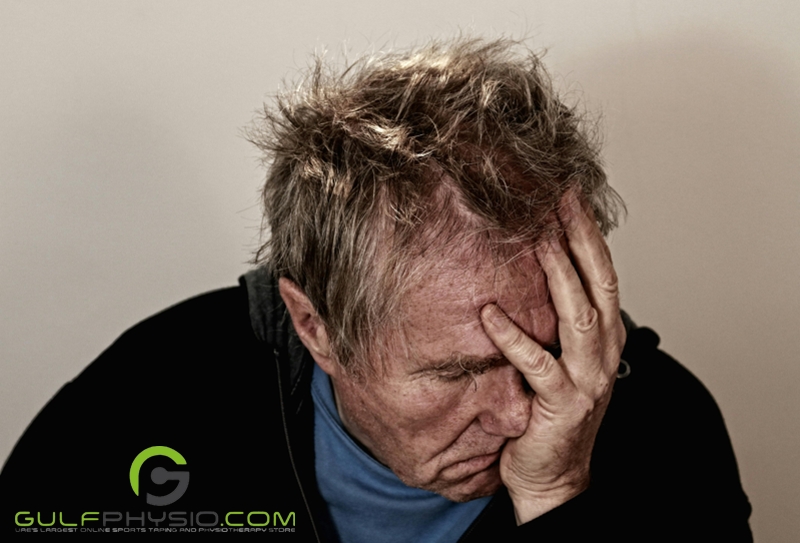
point(125, 185)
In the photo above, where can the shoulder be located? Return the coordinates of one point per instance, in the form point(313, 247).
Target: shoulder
point(658, 406)
point(655, 390)
point(210, 319)
point(200, 343)
point(191, 377)
point(663, 453)
point(201, 352)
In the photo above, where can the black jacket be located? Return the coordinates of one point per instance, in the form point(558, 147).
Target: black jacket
point(223, 379)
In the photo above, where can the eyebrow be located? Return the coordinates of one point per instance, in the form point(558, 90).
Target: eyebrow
point(467, 363)
point(473, 364)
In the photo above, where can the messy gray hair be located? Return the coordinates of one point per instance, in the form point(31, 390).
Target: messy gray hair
point(371, 168)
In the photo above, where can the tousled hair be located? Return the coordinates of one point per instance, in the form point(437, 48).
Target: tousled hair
point(375, 169)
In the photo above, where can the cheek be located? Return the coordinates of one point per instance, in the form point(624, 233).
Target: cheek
point(428, 408)
point(409, 428)
point(407, 408)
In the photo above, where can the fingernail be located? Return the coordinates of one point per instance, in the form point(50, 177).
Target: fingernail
point(492, 315)
point(555, 245)
point(571, 206)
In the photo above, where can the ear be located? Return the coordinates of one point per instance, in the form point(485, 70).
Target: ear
point(307, 324)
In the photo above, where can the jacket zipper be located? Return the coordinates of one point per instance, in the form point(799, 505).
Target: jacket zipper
point(289, 446)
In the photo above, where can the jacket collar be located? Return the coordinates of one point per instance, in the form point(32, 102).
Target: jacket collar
point(272, 325)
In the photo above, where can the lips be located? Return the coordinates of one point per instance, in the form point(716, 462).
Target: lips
point(471, 466)
point(483, 461)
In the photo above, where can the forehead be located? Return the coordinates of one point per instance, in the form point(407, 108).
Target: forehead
point(442, 311)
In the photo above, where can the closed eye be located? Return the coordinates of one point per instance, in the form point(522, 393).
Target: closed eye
point(461, 373)
point(458, 367)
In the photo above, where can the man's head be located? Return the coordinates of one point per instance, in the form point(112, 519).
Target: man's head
point(403, 194)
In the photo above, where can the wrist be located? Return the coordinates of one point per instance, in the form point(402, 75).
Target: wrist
point(531, 504)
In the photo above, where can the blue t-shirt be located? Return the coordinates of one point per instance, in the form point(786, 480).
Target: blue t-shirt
point(366, 500)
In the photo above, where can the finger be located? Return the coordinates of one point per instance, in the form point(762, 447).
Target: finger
point(590, 252)
point(578, 327)
point(592, 258)
point(542, 372)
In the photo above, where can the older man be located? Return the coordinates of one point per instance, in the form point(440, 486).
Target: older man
point(427, 350)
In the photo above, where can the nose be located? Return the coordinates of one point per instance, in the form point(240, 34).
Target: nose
point(505, 402)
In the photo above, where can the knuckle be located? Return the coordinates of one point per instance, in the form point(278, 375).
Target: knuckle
point(609, 283)
point(614, 343)
point(603, 386)
point(586, 321)
point(538, 362)
point(583, 407)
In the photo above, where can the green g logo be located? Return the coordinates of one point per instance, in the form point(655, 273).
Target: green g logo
point(160, 476)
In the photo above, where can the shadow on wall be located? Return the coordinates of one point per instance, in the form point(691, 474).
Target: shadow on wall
point(703, 138)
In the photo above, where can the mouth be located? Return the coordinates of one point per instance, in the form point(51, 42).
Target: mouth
point(471, 466)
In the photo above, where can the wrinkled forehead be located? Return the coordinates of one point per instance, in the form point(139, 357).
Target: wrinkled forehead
point(442, 308)
point(469, 283)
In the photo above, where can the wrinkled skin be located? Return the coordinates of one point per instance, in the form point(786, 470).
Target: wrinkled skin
point(476, 401)
point(440, 421)
point(549, 463)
